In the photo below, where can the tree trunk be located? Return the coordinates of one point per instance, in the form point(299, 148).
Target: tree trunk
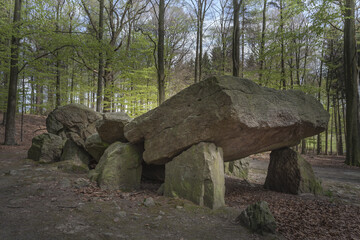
point(351, 87)
point(340, 139)
point(161, 49)
point(319, 99)
point(10, 129)
point(236, 39)
point(262, 43)
point(282, 78)
point(101, 58)
point(242, 41)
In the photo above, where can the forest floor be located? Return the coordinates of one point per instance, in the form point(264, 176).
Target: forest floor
point(43, 202)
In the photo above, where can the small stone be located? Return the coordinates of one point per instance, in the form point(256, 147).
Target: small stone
point(149, 202)
point(116, 219)
point(179, 207)
point(65, 183)
point(158, 218)
point(121, 214)
point(81, 183)
point(161, 212)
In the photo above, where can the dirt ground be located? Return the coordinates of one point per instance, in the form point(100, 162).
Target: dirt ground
point(43, 202)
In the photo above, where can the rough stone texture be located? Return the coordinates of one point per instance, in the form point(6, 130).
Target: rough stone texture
point(111, 127)
point(119, 167)
point(238, 168)
point(75, 155)
point(73, 121)
point(258, 218)
point(153, 172)
point(288, 172)
point(236, 114)
point(197, 175)
point(46, 148)
point(95, 146)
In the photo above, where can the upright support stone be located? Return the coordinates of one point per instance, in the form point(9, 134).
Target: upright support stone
point(197, 174)
point(288, 172)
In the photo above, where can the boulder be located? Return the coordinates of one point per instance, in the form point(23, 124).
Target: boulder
point(95, 146)
point(46, 148)
point(75, 156)
point(197, 174)
point(73, 121)
point(119, 167)
point(236, 114)
point(238, 168)
point(258, 218)
point(288, 172)
point(111, 127)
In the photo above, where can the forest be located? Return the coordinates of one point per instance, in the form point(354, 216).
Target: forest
point(131, 55)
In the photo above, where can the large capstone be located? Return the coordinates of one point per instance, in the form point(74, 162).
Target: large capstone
point(73, 121)
point(95, 146)
point(197, 175)
point(111, 127)
point(46, 148)
point(288, 172)
point(119, 167)
point(236, 114)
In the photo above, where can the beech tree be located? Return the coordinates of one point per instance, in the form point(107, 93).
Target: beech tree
point(351, 87)
point(10, 129)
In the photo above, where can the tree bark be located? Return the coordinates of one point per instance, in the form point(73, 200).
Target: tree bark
point(351, 87)
point(262, 43)
point(282, 63)
point(101, 58)
point(161, 50)
point(10, 129)
point(236, 39)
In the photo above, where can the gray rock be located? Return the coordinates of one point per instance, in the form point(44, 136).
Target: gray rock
point(95, 146)
point(197, 175)
point(288, 172)
point(111, 127)
point(75, 154)
point(119, 167)
point(73, 121)
point(258, 218)
point(46, 148)
point(238, 168)
point(236, 114)
point(149, 202)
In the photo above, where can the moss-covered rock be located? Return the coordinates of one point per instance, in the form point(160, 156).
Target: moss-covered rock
point(75, 155)
point(258, 218)
point(111, 127)
point(95, 146)
point(288, 172)
point(197, 175)
point(119, 167)
point(46, 148)
point(238, 168)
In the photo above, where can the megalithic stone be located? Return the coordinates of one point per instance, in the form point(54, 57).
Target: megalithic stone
point(236, 114)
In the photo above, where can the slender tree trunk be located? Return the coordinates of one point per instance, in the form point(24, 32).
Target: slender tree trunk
point(10, 129)
point(101, 58)
point(242, 40)
point(236, 39)
point(262, 43)
point(282, 44)
point(319, 147)
point(336, 124)
point(340, 149)
point(161, 50)
point(351, 87)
